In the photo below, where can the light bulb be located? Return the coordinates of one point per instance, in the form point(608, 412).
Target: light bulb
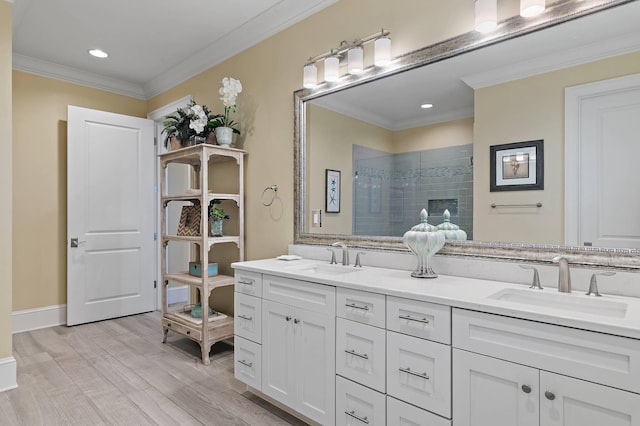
point(331, 69)
point(382, 51)
point(310, 76)
point(529, 8)
point(486, 15)
point(355, 60)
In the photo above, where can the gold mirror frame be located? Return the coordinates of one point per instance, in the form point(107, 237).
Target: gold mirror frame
point(562, 11)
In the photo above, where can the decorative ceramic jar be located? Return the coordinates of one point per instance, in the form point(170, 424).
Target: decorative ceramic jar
point(224, 135)
point(450, 230)
point(424, 240)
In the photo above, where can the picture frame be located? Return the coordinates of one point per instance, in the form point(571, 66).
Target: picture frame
point(332, 191)
point(189, 225)
point(517, 166)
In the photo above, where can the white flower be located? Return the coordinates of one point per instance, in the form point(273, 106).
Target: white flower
point(229, 91)
point(198, 118)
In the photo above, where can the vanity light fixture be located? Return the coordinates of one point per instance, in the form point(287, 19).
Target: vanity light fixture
point(486, 15)
point(530, 8)
point(98, 53)
point(354, 54)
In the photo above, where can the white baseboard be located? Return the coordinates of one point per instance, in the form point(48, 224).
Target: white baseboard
point(8, 374)
point(34, 319)
point(177, 294)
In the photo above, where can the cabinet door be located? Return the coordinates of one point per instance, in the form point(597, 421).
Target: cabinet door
point(489, 391)
point(278, 380)
point(315, 360)
point(565, 401)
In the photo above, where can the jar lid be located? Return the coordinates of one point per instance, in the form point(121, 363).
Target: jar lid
point(424, 226)
point(447, 225)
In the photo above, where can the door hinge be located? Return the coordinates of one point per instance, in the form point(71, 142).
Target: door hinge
point(155, 189)
point(155, 236)
point(155, 141)
point(155, 284)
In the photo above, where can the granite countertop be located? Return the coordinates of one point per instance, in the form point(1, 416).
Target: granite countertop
point(605, 314)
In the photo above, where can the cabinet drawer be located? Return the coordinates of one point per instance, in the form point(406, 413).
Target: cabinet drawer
point(419, 372)
point(247, 357)
point(357, 405)
point(247, 317)
point(360, 353)
point(401, 413)
point(421, 319)
point(179, 328)
point(248, 282)
point(300, 294)
point(361, 306)
point(597, 357)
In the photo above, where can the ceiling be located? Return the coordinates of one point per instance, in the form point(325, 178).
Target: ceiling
point(394, 102)
point(153, 44)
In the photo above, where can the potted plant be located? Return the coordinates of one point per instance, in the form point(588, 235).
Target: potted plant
point(189, 126)
point(216, 216)
point(224, 126)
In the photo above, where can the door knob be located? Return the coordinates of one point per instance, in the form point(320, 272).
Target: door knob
point(75, 242)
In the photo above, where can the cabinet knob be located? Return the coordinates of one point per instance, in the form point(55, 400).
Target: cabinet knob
point(288, 318)
point(550, 395)
point(296, 321)
point(526, 388)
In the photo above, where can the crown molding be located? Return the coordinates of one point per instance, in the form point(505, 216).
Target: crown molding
point(76, 76)
point(238, 40)
point(596, 51)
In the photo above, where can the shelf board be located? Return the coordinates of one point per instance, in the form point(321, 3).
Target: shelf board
point(191, 155)
point(198, 239)
point(214, 281)
point(196, 196)
point(220, 328)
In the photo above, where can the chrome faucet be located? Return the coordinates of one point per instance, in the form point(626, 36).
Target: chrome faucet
point(564, 275)
point(345, 252)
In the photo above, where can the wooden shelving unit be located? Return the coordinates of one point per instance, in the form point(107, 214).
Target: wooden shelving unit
point(208, 329)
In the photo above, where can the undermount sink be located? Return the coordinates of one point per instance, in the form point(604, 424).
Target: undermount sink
point(563, 301)
point(327, 269)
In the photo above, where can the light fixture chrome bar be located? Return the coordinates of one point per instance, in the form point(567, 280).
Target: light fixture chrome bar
point(345, 46)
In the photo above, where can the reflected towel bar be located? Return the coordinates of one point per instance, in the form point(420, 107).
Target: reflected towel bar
point(494, 205)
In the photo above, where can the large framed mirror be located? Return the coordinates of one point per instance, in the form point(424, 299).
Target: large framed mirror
point(487, 90)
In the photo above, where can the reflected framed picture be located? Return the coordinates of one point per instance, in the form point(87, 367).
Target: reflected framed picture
point(517, 166)
point(332, 191)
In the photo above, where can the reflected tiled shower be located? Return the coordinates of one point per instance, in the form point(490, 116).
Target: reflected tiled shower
point(391, 189)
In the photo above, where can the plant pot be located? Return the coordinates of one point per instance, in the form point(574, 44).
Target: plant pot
point(174, 143)
point(224, 135)
point(216, 227)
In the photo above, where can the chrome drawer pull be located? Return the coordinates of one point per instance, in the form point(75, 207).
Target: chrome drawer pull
point(243, 362)
point(410, 318)
point(353, 414)
point(245, 318)
point(353, 352)
point(413, 373)
point(245, 282)
point(354, 306)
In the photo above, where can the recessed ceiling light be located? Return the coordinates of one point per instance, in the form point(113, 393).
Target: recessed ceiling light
point(426, 106)
point(98, 53)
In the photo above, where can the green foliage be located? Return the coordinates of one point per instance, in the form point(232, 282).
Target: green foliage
point(177, 124)
point(217, 213)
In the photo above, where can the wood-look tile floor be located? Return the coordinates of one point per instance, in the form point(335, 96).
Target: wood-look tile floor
point(118, 372)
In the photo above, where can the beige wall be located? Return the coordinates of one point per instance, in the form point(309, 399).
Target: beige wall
point(332, 137)
point(6, 233)
point(539, 115)
point(39, 181)
point(440, 135)
point(271, 71)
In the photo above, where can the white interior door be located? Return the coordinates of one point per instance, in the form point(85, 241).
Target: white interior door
point(110, 215)
point(602, 152)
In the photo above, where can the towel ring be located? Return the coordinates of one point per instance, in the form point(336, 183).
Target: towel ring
point(273, 188)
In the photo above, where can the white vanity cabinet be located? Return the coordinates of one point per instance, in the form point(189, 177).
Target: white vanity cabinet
point(530, 384)
point(298, 346)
